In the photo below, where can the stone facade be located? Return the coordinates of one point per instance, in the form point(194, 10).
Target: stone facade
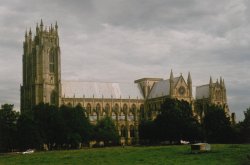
point(212, 93)
point(41, 68)
point(127, 104)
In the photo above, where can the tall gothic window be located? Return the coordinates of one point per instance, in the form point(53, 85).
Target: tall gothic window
point(98, 108)
point(116, 107)
point(52, 62)
point(88, 108)
point(133, 107)
point(125, 107)
point(107, 108)
point(53, 98)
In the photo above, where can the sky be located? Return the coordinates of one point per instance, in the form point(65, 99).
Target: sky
point(124, 40)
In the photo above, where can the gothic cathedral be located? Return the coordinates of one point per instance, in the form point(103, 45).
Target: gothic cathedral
point(126, 103)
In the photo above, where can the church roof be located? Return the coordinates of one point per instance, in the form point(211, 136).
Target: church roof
point(162, 88)
point(159, 89)
point(79, 89)
point(202, 91)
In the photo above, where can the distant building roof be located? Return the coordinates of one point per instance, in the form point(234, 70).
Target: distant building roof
point(162, 88)
point(202, 91)
point(150, 79)
point(80, 89)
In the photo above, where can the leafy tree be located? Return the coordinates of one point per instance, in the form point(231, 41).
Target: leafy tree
point(106, 131)
point(77, 126)
point(217, 125)
point(27, 132)
point(45, 116)
point(177, 122)
point(244, 127)
point(8, 119)
point(63, 127)
point(147, 132)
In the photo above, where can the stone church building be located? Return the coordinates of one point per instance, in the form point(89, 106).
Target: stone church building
point(126, 103)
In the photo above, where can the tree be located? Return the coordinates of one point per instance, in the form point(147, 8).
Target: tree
point(77, 126)
point(147, 132)
point(245, 127)
point(176, 122)
point(8, 119)
point(46, 117)
point(217, 125)
point(65, 127)
point(27, 132)
point(105, 131)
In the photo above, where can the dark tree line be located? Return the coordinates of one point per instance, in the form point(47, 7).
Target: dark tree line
point(176, 122)
point(50, 127)
point(68, 127)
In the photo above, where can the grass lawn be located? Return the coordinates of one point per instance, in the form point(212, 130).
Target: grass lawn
point(172, 155)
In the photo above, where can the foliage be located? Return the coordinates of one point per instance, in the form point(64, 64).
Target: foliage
point(174, 123)
point(8, 119)
point(217, 125)
point(147, 131)
point(105, 130)
point(27, 132)
point(77, 127)
point(65, 127)
point(244, 127)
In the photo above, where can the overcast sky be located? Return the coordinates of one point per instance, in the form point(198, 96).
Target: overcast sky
point(124, 40)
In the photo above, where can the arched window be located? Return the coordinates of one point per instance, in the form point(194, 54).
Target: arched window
point(88, 108)
point(125, 108)
point(123, 131)
point(132, 131)
point(52, 62)
point(53, 98)
point(133, 107)
point(98, 108)
point(107, 108)
point(116, 107)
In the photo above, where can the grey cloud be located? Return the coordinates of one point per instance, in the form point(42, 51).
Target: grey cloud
point(132, 39)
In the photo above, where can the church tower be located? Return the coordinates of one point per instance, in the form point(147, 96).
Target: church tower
point(41, 67)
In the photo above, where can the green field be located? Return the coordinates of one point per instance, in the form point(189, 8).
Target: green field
point(220, 154)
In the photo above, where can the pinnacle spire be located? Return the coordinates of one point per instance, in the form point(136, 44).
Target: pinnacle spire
point(26, 33)
point(171, 75)
point(189, 80)
point(41, 24)
point(220, 81)
point(56, 26)
point(210, 81)
point(30, 33)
